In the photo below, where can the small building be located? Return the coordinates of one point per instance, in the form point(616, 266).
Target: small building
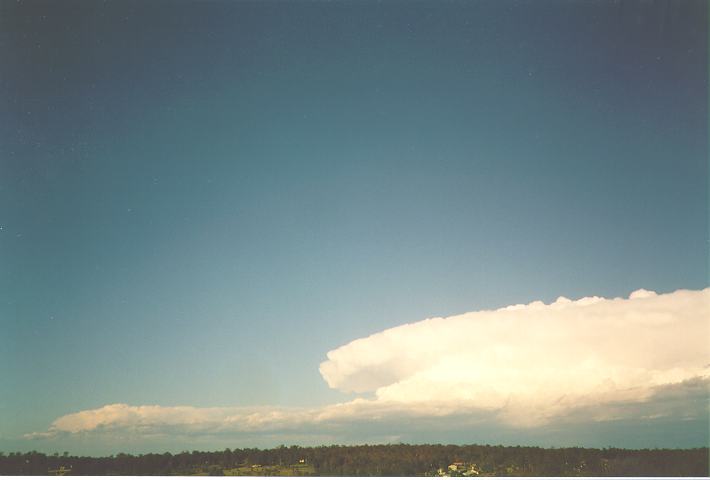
point(472, 470)
point(457, 467)
point(61, 471)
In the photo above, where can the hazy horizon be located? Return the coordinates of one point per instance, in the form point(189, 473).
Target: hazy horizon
point(233, 224)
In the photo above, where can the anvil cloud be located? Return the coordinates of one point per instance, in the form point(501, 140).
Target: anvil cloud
point(531, 363)
point(522, 366)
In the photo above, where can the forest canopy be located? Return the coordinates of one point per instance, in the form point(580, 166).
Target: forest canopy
point(373, 460)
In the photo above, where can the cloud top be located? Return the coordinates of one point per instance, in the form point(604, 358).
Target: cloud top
point(530, 363)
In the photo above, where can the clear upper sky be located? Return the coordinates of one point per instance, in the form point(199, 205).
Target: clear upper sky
point(198, 200)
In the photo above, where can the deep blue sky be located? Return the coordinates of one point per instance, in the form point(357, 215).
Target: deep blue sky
point(199, 199)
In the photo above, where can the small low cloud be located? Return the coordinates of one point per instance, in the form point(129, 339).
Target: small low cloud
point(524, 367)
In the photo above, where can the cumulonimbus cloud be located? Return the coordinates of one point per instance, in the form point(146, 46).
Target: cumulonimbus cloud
point(531, 363)
point(646, 356)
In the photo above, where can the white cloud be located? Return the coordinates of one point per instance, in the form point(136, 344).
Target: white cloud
point(521, 366)
point(187, 419)
point(528, 364)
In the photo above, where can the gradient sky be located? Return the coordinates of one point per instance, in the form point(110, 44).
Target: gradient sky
point(198, 200)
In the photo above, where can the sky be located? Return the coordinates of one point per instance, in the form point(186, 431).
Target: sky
point(241, 223)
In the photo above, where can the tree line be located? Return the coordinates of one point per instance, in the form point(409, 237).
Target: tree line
point(378, 460)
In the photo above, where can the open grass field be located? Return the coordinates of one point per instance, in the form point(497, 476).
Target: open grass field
point(271, 471)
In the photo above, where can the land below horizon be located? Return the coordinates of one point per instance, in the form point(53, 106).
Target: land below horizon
point(373, 460)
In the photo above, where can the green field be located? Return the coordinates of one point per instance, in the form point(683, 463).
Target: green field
point(271, 471)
